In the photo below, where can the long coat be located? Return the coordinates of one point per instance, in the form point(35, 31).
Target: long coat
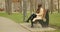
point(40, 15)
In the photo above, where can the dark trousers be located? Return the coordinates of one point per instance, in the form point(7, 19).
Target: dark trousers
point(32, 17)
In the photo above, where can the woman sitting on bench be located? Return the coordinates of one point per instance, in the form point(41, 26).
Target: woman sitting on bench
point(39, 15)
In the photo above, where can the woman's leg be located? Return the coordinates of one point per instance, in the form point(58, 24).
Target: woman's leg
point(31, 17)
point(32, 24)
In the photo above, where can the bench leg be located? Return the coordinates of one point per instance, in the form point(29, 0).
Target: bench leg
point(42, 23)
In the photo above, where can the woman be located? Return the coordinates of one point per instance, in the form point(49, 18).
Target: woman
point(39, 15)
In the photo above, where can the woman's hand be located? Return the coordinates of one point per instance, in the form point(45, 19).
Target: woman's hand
point(44, 19)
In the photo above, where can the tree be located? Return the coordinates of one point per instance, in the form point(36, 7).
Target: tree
point(8, 6)
point(51, 6)
point(46, 4)
point(24, 10)
point(36, 4)
point(58, 6)
point(43, 3)
point(31, 6)
point(20, 1)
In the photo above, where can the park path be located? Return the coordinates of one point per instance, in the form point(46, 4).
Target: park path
point(7, 25)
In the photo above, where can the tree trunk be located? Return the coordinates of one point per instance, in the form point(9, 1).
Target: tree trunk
point(46, 4)
point(8, 6)
point(24, 10)
point(36, 5)
point(20, 1)
point(51, 6)
point(43, 3)
point(31, 6)
point(58, 6)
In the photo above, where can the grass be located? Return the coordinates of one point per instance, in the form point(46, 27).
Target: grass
point(54, 19)
point(15, 16)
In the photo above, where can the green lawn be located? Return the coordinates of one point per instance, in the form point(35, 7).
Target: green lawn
point(18, 18)
point(15, 16)
point(55, 19)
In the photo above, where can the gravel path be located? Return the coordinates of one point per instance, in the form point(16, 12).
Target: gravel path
point(7, 25)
